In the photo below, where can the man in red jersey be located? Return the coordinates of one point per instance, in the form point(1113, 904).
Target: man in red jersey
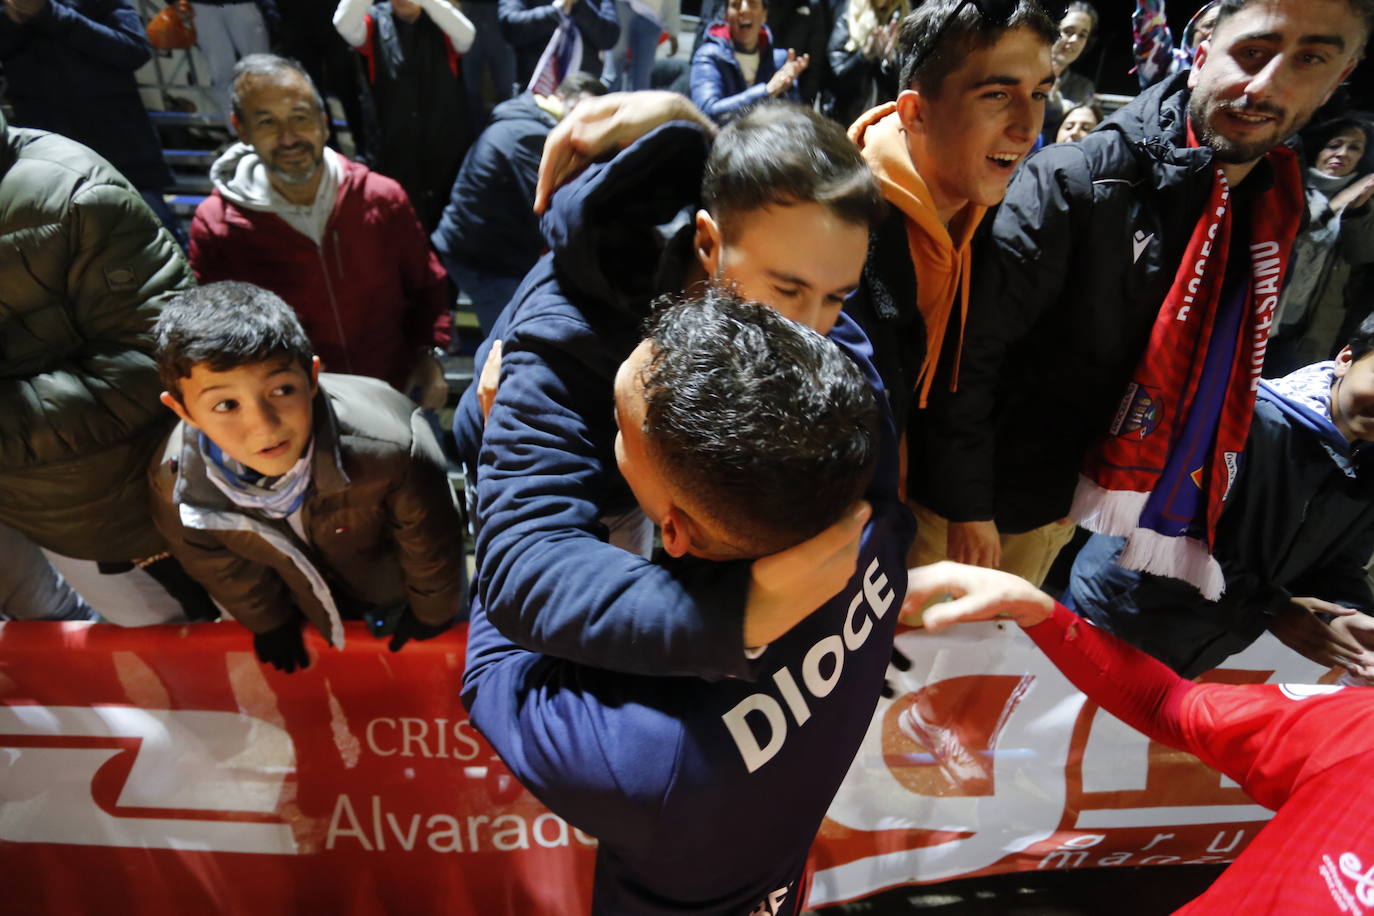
point(1302, 750)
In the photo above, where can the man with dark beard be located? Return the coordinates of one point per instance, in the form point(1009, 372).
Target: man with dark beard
point(339, 242)
point(1123, 298)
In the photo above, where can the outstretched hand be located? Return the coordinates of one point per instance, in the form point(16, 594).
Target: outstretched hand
point(1298, 628)
point(600, 126)
point(976, 594)
point(787, 586)
point(788, 73)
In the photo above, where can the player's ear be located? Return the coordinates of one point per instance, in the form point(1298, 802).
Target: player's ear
point(707, 243)
point(676, 530)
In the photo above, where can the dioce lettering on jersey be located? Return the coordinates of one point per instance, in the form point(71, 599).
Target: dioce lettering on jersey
point(870, 602)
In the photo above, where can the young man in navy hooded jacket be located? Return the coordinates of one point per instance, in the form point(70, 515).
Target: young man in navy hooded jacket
point(788, 206)
point(705, 795)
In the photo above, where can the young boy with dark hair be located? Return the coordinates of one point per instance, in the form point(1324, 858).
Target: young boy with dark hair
point(788, 208)
point(286, 493)
point(1294, 536)
point(740, 432)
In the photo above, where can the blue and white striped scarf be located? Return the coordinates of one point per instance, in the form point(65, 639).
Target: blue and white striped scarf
point(248, 489)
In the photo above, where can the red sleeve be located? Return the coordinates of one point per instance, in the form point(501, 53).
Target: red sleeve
point(1136, 688)
point(1270, 738)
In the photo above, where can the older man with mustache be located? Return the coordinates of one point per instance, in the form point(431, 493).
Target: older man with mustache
point(339, 242)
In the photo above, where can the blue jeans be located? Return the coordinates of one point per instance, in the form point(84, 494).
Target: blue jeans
point(489, 292)
point(639, 43)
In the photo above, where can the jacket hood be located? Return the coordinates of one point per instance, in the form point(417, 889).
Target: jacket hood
point(720, 33)
point(609, 228)
point(1304, 398)
point(522, 107)
point(240, 176)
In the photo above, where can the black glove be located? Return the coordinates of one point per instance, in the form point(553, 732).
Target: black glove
point(409, 627)
point(282, 648)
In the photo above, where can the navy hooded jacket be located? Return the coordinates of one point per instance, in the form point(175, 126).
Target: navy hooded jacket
point(705, 795)
point(546, 576)
point(489, 223)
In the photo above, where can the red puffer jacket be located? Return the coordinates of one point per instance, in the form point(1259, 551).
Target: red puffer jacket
point(368, 297)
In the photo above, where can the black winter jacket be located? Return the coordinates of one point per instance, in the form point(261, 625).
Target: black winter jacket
point(423, 126)
point(1067, 281)
point(529, 24)
point(490, 223)
point(71, 71)
point(1299, 521)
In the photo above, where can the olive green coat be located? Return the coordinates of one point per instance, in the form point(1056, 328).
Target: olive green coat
point(85, 267)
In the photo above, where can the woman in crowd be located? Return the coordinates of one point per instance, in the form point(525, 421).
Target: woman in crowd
point(1339, 233)
point(1078, 123)
point(863, 62)
point(1071, 89)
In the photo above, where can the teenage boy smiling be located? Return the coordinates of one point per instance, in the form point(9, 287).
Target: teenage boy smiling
point(944, 152)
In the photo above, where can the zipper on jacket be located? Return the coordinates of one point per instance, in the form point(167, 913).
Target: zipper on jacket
point(334, 303)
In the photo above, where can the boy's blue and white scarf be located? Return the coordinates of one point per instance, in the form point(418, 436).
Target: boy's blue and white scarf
point(1307, 393)
point(248, 489)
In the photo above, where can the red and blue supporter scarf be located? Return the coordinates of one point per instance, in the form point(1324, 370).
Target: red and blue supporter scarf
point(561, 57)
point(1160, 475)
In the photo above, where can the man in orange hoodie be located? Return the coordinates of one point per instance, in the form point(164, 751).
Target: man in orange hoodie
point(976, 73)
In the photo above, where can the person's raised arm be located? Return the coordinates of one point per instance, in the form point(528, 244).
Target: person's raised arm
point(602, 126)
point(452, 22)
point(549, 581)
point(1152, 41)
point(1136, 688)
point(1357, 221)
point(116, 38)
point(350, 21)
point(1267, 738)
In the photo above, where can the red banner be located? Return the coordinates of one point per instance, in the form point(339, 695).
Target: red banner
point(162, 769)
